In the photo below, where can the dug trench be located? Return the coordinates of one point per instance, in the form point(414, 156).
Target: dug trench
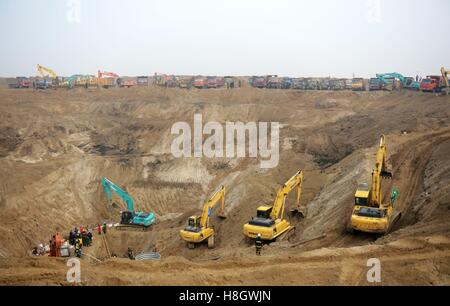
point(55, 147)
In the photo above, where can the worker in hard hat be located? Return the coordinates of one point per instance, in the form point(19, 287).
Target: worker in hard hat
point(78, 245)
point(258, 244)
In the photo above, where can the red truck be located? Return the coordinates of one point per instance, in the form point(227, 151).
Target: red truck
point(199, 82)
point(431, 83)
point(22, 82)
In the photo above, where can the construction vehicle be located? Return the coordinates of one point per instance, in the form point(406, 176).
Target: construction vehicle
point(390, 80)
point(142, 81)
point(337, 84)
point(269, 221)
point(229, 81)
point(324, 84)
point(411, 83)
point(21, 82)
point(358, 84)
point(299, 83)
point(312, 84)
point(273, 83)
point(258, 81)
point(286, 83)
point(126, 82)
point(199, 82)
point(46, 73)
point(375, 84)
point(348, 84)
point(130, 217)
point(184, 82)
point(199, 228)
point(211, 82)
point(369, 213)
point(431, 83)
point(445, 87)
point(102, 74)
point(106, 79)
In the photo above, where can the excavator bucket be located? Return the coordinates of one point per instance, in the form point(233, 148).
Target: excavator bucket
point(299, 212)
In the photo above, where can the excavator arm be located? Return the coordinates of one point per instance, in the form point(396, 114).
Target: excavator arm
point(445, 74)
point(294, 182)
point(207, 208)
point(46, 71)
point(379, 171)
point(109, 186)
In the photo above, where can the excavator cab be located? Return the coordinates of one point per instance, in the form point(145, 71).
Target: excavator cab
point(264, 212)
point(362, 195)
point(127, 217)
point(263, 217)
point(193, 224)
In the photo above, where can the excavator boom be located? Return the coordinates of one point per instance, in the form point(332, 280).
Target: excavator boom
point(109, 186)
point(44, 72)
point(208, 206)
point(279, 203)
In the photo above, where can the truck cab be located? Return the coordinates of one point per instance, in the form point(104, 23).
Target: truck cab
point(375, 84)
point(358, 84)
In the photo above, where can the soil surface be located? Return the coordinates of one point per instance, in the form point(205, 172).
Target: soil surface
point(56, 145)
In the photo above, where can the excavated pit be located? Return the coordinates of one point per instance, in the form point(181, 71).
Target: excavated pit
point(55, 146)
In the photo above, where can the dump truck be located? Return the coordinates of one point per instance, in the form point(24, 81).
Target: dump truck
point(431, 83)
point(375, 84)
point(199, 82)
point(142, 81)
point(21, 82)
point(358, 84)
point(258, 81)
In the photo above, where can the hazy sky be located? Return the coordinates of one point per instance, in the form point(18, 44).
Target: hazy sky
point(220, 37)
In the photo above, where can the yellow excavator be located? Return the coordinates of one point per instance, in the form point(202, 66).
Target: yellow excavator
point(198, 228)
point(369, 214)
point(269, 221)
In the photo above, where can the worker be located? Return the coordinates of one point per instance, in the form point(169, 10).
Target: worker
point(78, 245)
point(258, 244)
point(130, 253)
point(89, 235)
point(104, 228)
point(71, 238)
point(99, 229)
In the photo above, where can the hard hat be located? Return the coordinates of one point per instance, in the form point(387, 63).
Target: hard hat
point(259, 235)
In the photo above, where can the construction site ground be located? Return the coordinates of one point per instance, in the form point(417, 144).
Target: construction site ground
point(56, 145)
